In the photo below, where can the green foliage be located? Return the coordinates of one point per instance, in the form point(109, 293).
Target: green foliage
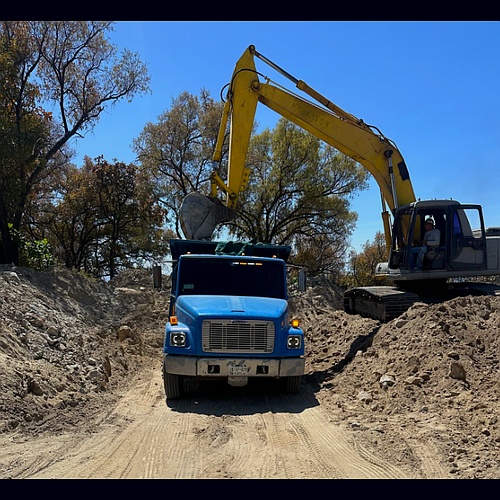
point(177, 151)
point(361, 267)
point(35, 254)
point(299, 193)
point(104, 218)
point(56, 78)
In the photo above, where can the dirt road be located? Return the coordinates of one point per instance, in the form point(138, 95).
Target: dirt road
point(81, 394)
point(222, 432)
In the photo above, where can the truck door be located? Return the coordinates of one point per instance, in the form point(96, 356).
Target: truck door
point(467, 249)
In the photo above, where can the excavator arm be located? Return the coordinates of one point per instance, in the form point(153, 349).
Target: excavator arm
point(348, 134)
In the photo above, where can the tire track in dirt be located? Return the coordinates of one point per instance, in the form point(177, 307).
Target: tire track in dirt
point(232, 434)
point(334, 454)
point(135, 442)
point(328, 448)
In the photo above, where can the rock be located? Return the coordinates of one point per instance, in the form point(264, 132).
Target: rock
point(387, 381)
point(52, 331)
point(414, 380)
point(457, 371)
point(124, 332)
point(365, 397)
point(35, 388)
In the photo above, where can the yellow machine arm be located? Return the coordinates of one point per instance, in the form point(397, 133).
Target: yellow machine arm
point(330, 123)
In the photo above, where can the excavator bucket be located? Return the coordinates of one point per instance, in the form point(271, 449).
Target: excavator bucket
point(200, 215)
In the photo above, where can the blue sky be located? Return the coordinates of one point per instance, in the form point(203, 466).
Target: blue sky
point(433, 87)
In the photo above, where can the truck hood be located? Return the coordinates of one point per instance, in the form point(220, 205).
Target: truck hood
point(213, 306)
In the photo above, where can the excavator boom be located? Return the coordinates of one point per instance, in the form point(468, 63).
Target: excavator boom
point(323, 119)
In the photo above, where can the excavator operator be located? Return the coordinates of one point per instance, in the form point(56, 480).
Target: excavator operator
point(431, 241)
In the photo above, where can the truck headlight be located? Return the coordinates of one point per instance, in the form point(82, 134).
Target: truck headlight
point(178, 339)
point(294, 342)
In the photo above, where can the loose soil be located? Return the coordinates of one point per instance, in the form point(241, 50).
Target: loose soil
point(81, 393)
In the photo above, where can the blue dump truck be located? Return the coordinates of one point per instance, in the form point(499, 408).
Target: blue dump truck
point(229, 317)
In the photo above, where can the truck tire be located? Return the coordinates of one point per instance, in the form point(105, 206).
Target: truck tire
point(292, 384)
point(173, 385)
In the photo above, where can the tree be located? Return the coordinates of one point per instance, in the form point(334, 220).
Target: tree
point(103, 218)
point(124, 212)
point(298, 193)
point(57, 77)
point(299, 187)
point(361, 267)
point(68, 215)
point(177, 151)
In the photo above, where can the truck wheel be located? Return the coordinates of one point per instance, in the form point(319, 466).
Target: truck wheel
point(292, 384)
point(173, 385)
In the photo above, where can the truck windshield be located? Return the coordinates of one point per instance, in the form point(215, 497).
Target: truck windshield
point(264, 278)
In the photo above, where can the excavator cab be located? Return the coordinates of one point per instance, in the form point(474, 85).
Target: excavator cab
point(461, 250)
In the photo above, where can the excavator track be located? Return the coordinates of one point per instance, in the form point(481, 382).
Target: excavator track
point(383, 303)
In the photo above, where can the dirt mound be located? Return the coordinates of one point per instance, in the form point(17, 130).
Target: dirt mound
point(68, 342)
point(434, 370)
point(69, 345)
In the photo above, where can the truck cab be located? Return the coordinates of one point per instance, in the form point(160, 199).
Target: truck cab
point(229, 317)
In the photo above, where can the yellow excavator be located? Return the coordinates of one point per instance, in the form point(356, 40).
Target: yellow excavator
point(466, 248)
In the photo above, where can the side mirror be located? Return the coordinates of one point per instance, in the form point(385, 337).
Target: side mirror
point(302, 280)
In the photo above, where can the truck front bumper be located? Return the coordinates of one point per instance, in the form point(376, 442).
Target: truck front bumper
point(234, 367)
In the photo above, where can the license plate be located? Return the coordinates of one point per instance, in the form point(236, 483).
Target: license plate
point(238, 370)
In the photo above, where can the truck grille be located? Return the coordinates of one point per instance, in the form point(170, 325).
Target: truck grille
point(237, 336)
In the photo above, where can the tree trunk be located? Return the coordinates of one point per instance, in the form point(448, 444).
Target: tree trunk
point(9, 249)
